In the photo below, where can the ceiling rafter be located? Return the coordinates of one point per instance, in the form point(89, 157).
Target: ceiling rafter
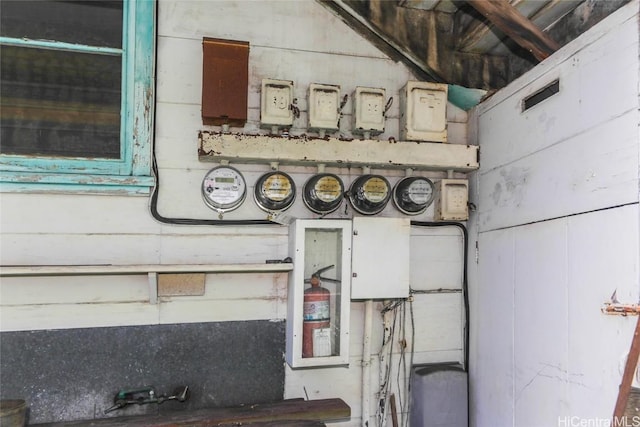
point(518, 27)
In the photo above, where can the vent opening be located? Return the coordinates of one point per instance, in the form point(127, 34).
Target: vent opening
point(539, 96)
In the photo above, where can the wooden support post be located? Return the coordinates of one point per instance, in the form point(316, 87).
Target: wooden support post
point(394, 411)
point(153, 287)
point(627, 377)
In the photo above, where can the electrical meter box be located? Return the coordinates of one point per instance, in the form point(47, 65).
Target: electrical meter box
point(276, 100)
point(324, 107)
point(452, 196)
point(423, 112)
point(319, 293)
point(380, 260)
point(368, 110)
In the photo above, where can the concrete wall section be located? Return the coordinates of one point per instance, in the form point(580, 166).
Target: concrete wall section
point(76, 373)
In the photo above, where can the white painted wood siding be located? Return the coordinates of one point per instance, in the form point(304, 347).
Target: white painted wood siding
point(578, 148)
point(297, 40)
point(558, 232)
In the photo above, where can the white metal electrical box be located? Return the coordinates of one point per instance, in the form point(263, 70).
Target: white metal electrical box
point(380, 260)
point(423, 112)
point(324, 107)
point(319, 293)
point(275, 104)
point(368, 110)
point(452, 196)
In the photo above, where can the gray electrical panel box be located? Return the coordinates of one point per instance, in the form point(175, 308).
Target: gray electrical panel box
point(439, 396)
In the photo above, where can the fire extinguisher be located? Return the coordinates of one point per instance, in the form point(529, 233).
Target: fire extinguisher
point(316, 315)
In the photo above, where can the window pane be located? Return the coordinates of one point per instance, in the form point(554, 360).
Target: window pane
point(94, 23)
point(59, 103)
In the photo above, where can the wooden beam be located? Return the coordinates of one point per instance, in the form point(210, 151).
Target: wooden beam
point(106, 270)
point(310, 151)
point(277, 424)
point(510, 21)
point(289, 413)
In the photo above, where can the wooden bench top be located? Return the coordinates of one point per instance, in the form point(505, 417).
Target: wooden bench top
point(287, 413)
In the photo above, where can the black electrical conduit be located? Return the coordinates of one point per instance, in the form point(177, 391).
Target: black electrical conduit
point(153, 204)
point(153, 207)
point(465, 285)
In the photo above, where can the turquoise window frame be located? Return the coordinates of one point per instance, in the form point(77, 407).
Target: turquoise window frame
point(132, 172)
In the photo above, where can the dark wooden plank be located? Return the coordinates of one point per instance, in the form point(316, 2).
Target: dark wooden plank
point(278, 424)
point(280, 412)
point(524, 32)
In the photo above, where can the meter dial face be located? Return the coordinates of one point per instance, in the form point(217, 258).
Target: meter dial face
point(323, 193)
point(413, 195)
point(369, 194)
point(223, 188)
point(274, 191)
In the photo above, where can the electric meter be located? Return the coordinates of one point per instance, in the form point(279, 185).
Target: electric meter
point(369, 194)
point(412, 195)
point(274, 191)
point(323, 193)
point(223, 188)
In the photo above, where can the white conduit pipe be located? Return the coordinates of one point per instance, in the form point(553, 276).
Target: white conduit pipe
point(366, 362)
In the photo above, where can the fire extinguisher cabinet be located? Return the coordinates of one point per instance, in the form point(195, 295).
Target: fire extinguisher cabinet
point(319, 293)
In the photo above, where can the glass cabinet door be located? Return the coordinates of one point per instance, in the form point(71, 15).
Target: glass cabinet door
point(319, 293)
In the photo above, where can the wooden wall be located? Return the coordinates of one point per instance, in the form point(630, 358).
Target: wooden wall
point(299, 41)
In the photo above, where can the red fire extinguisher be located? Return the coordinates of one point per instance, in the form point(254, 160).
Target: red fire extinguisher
point(316, 315)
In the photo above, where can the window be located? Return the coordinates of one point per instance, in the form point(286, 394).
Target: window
point(76, 95)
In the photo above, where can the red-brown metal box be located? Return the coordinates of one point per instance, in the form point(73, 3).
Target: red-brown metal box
point(225, 82)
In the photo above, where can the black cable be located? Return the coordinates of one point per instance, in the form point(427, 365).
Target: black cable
point(465, 285)
point(153, 204)
point(413, 349)
point(388, 340)
point(153, 207)
point(403, 362)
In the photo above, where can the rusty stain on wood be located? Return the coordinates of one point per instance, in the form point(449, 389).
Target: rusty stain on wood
point(332, 151)
point(180, 284)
